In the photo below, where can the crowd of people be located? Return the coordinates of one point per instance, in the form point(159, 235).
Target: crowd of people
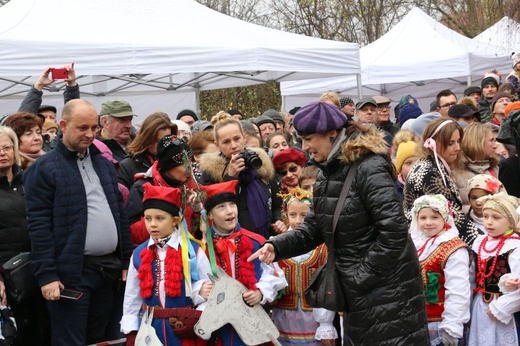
point(134, 211)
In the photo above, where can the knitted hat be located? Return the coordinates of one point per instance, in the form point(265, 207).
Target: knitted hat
point(503, 203)
point(460, 111)
point(262, 119)
point(513, 106)
point(420, 123)
point(220, 193)
point(188, 112)
point(492, 77)
point(164, 198)
point(345, 100)
point(497, 97)
point(409, 111)
point(200, 125)
point(171, 152)
point(406, 100)
point(472, 90)
point(516, 59)
point(487, 183)
point(271, 113)
point(247, 125)
point(289, 155)
point(364, 101)
point(181, 126)
point(117, 108)
point(49, 124)
point(405, 150)
point(318, 117)
point(234, 112)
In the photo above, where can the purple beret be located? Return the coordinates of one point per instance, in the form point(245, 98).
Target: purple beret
point(318, 117)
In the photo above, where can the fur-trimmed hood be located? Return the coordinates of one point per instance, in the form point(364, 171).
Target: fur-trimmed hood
point(216, 166)
point(361, 144)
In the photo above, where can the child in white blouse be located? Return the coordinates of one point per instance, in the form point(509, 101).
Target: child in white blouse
point(444, 260)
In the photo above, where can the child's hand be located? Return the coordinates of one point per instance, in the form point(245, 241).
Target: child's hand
point(491, 316)
point(205, 290)
point(512, 284)
point(252, 297)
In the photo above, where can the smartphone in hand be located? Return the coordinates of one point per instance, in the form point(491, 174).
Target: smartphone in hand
point(70, 294)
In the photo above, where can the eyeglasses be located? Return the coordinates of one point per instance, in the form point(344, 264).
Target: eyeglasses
point(7, 148)
point(384, 107)
point(291, 169)
point(448, 105)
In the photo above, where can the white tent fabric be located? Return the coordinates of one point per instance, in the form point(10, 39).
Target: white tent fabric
point(418, 56)
point(504, 33)
point(160, 45)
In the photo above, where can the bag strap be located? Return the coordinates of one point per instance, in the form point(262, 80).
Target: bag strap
point(337, 211)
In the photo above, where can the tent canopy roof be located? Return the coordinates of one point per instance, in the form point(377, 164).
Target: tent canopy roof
point(177, 43)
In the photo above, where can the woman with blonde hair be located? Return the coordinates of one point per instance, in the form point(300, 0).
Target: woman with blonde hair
point(432, 173)
point(478, 147)
point(330, 97)
point(143, 149)
point(259, 207)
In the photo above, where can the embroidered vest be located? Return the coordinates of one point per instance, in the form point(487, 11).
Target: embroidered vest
point(491, 289)
point(299, 276)
point(433, 267)
point(154, 300)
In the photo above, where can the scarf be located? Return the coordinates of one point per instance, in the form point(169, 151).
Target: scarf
point(257, 202)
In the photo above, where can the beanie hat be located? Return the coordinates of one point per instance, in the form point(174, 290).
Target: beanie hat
point(420, 123)
point(406, 100)
point(117, 108)
point(503, 203)
point(405, 150)
point(289, 155)
point(234, 112)
point(497, 97)
point(516, 59)
point(345, 100)
point(271, 113)
point(164, 198)
point(487, 183)
point(185, 112)
point(262, 119)
point(472, 90)
point(409, 111)
point(49, 124)
point(220, 193)
point(513, 106)
point(247, 125)
point(181, 126)
point(294, 110)
point(491, 77)
point(318, 117)
point(171, 152)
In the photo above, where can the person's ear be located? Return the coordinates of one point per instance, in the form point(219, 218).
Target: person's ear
point(176, 220)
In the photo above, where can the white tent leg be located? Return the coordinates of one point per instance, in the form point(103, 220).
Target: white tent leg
point(359, 86)
point(469, 81)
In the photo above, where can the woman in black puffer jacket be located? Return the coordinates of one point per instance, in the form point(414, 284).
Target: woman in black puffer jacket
point(375, 256)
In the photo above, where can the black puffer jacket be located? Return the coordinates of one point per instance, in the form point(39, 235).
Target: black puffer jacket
point(375, 256)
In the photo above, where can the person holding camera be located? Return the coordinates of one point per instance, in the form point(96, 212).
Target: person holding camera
point(259, 207)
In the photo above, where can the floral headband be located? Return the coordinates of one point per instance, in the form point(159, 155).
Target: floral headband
point(295, 194)
point(487, 183)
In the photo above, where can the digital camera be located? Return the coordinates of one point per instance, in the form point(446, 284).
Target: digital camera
point(251, 159)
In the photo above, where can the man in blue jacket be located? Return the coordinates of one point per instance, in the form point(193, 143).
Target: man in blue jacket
point(78, 229)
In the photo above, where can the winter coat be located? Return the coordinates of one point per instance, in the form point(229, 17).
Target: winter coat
point(425, 179)
point(374, 254)
point(13, 219)
point(139, 163)
point(509, 173)
point(57, 214)
point(484, 106)
point(214, 168)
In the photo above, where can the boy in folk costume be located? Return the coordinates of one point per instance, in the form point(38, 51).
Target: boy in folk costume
point(167, 271)
point(233, 245)
point(445, 264)
point(493, 313)
point(297, 321)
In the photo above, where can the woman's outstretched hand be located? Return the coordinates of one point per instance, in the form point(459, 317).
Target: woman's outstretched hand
point(266, 254)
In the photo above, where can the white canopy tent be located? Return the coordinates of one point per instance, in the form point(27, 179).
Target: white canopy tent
point(504, 33)
point(418, 56)
point(131, 48)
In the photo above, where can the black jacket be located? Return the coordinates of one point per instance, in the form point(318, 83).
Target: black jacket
point(375, 257)
point(130, 166)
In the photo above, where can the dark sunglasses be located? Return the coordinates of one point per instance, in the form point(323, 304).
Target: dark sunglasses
point(291, 169)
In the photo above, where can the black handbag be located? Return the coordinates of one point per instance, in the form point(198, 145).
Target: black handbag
point(20, 282)
point(324, 290)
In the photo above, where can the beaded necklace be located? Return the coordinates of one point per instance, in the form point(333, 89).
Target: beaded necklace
point(481, 275)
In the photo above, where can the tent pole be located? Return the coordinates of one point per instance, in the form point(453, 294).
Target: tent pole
point(197, 100)
point(469, 81)
point(359, 86)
